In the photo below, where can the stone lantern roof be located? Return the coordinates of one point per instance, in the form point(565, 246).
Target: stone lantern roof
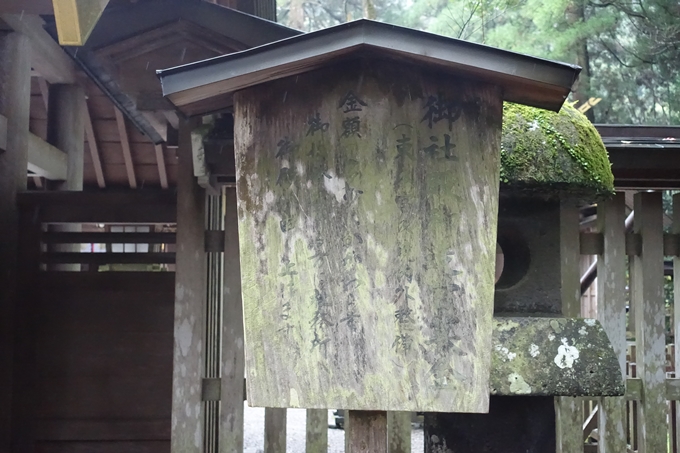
point(552, 155)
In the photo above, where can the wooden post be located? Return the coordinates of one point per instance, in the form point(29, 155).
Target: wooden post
point(231, 417)
point(15, 96)
point(317, 431)
point(611, 312)
point(190, 287)
point(275, 430)
point(367, 431)
point(66, 131)
point(569, 411)
point(650, 326)
point(399, 432)
point(676, 310)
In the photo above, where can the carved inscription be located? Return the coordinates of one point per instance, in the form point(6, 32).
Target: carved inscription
point(367, 243)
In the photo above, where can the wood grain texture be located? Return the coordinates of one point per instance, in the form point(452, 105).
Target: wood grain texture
point(190, 297)
point(569, 411)
point(676, 301)
point(316, 440)
point(93, 146)
point(611, 312)
point(15, 95)
point(368, 211)
point(647, 296)
point(367, 432)
point(233, 357)
point(66, 130)
point(399, 432)
point(125, 146)
point(275, 430)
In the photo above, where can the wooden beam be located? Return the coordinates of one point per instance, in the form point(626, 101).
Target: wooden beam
point(107, 258)
point(103, 207)
point(275, 430)
point(399, 432)
point(48, 59)
point(233, 357)
point(76, 19)
point(160, 160)
point(190, 300)
point(367, 431)
point(66, 130)
point(611, 312)
point(646, 283)
point(3, 133)
point(158, 122)
point(676, 308)
point(44, 92)
point(94, 148)
point(37, 180)
point(317, 431)
point(15, 99)
point(108, 238)
point(569, 411)
point(125, 144)
point(172, 118)
point(46, 160)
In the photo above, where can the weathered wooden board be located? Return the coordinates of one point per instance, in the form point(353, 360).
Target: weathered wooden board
point(367, 205)
point(647, 295)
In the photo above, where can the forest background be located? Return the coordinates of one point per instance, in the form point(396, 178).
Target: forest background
point(629, 50)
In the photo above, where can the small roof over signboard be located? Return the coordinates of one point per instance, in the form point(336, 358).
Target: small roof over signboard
point(206, 86)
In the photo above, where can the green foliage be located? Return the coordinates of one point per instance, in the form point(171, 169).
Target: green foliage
point(630, 51)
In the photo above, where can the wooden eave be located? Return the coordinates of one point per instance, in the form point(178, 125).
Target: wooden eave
point(643, 157)
point(123, 146)
point(146, 24)
point(194, 87)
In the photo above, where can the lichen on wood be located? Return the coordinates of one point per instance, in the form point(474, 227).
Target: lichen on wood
point(368, 197)
point(553, 154)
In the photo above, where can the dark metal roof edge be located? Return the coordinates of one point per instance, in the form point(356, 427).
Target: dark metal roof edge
point(117, 96)
point(638, 126)
point(385, 36)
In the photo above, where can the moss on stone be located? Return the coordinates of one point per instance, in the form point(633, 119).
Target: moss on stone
point(553, 155)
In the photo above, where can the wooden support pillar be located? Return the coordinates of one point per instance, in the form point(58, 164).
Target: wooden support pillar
point(399, 432)
point(367, 432)
point(275, 430)
point(611, 312)
point(190, 294)
point(650, 326)
point(233, 359)
point(15, 96)
point(569, 411)
point(66, 130)
point(317, 431)
point(676, 309)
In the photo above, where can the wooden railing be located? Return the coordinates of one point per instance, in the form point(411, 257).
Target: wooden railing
point(631, 301)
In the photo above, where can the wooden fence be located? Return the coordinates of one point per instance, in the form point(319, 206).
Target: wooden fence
point(631, 304)
point(629, 300)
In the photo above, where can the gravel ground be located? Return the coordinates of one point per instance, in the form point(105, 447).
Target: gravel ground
point(253, 436)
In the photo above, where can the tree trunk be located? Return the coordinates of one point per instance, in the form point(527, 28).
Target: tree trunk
point(575, 14)
point(369, 9)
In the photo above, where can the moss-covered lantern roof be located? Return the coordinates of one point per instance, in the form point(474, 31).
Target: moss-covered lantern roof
point(553, 155)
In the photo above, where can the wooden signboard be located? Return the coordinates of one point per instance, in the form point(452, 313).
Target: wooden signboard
point(368, 196)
